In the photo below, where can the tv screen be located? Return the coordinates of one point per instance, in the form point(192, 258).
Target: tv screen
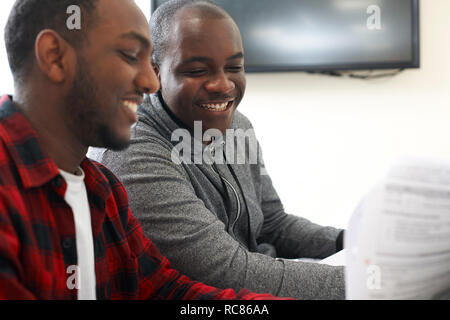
point(326, 35)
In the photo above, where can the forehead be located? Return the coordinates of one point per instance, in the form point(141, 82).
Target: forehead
point(193, 34)
point(116, 17)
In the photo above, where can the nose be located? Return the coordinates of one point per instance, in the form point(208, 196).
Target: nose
point(146, 80)
point(220, 83)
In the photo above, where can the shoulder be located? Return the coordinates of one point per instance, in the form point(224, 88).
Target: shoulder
point(144, 157)
point(9, 174)
point(147, 134)
point(145, 145)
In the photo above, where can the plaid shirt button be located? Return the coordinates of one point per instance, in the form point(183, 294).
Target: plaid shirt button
point(57, 182)
point(67, 243)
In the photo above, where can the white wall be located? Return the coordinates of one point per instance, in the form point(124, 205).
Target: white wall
point(326, 140)
point(7, 86)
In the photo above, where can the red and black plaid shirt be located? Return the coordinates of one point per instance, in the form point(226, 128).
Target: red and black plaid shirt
point(37, 231)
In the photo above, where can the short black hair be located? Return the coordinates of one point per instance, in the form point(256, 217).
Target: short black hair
point(29, 17)
point(161, 21)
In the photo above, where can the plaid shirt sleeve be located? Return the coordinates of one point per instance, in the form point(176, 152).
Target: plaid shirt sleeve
point(156, 279)
point(159, 281)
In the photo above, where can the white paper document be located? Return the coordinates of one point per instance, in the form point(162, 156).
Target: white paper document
point(337, 259)
point(397, 244)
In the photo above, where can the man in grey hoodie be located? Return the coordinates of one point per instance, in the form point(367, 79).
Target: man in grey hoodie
point(207, 201)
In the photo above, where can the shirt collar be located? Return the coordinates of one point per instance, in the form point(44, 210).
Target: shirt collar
point(96, 182)
point(169, 112)
point(35, 168)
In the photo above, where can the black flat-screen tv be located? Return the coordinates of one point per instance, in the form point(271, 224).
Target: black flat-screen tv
point(326, 35)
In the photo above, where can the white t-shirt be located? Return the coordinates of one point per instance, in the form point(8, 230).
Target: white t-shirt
point(76, 198)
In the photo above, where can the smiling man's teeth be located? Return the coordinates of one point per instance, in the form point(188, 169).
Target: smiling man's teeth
point(132, 105)
point(215, 107)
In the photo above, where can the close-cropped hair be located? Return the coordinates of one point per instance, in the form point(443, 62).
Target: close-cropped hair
point(161, 21)
point(29, 17)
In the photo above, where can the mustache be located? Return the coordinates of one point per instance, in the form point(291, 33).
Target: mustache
point(139, 93)
point(220, 96)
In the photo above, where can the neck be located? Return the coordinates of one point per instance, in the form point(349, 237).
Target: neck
point(55, 138)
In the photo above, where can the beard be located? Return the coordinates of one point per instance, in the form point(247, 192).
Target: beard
point(83, 106)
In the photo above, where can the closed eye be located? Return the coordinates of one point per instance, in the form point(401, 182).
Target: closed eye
point(195, 72)
point(238, 68)
point(130, 58)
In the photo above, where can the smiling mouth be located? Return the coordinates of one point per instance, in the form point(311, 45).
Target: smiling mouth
point(133, 106)
point(217, 106)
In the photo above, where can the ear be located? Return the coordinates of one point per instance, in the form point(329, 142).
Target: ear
point(53, 55)
point(156, 69)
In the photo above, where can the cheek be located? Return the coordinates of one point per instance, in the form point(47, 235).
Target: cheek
point(241, 83)
point(178, 94)
point(114, 75)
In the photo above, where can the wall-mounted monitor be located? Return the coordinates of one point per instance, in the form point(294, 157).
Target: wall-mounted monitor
point(326, 35)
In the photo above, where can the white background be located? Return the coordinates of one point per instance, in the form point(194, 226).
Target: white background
point(327, 140)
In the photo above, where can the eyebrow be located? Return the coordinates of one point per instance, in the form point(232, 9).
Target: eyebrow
point(236, 56)
point(136, 36)
point(206, 59)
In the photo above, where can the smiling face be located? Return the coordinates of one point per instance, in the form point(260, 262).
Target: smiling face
point(113, 72)
point(202, 74)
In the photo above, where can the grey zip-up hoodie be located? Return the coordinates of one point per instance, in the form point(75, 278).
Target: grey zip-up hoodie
point(214, 221)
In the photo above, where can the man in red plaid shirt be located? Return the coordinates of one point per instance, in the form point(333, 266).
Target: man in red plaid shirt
point(80, 70)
